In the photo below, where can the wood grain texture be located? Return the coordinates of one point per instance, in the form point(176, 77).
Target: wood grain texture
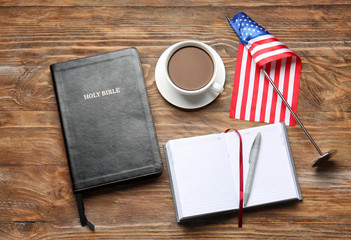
point(36, 199)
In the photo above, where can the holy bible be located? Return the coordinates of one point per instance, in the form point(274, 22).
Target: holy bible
point(107, 122)
point(204, 171)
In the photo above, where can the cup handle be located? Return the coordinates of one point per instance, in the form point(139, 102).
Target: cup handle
point(217, 88)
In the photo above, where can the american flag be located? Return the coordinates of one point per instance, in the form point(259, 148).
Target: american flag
point(253, 96)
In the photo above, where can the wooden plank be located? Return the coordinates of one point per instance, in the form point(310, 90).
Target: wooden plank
point(45, 201)
point(58, 26)
point(324, 84)
point(167, 3)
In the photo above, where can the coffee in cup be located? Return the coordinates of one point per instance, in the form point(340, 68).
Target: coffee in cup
point(191, 69)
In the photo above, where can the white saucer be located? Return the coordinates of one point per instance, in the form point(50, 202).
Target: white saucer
point(185, 101)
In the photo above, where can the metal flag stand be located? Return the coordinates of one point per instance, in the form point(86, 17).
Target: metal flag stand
point(323, 157)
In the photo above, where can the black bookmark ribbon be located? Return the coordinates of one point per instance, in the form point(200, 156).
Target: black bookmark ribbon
point(83, 219)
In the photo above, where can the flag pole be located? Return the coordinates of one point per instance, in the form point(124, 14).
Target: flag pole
point(323, 157)
point(292, 112)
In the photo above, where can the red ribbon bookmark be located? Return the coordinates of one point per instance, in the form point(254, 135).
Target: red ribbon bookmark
point(240, 222)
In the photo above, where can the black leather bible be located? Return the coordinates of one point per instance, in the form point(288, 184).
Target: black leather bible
point(107, 121)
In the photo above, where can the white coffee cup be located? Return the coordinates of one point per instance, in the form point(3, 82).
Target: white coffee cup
point(211, 85)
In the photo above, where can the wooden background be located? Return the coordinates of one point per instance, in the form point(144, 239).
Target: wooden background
point(36, 199)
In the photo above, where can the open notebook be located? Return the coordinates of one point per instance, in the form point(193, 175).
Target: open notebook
point(204, 171)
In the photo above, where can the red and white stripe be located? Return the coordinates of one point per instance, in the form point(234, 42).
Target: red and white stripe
point(253, 96)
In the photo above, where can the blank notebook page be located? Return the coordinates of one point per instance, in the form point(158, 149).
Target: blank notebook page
point(202, 175)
